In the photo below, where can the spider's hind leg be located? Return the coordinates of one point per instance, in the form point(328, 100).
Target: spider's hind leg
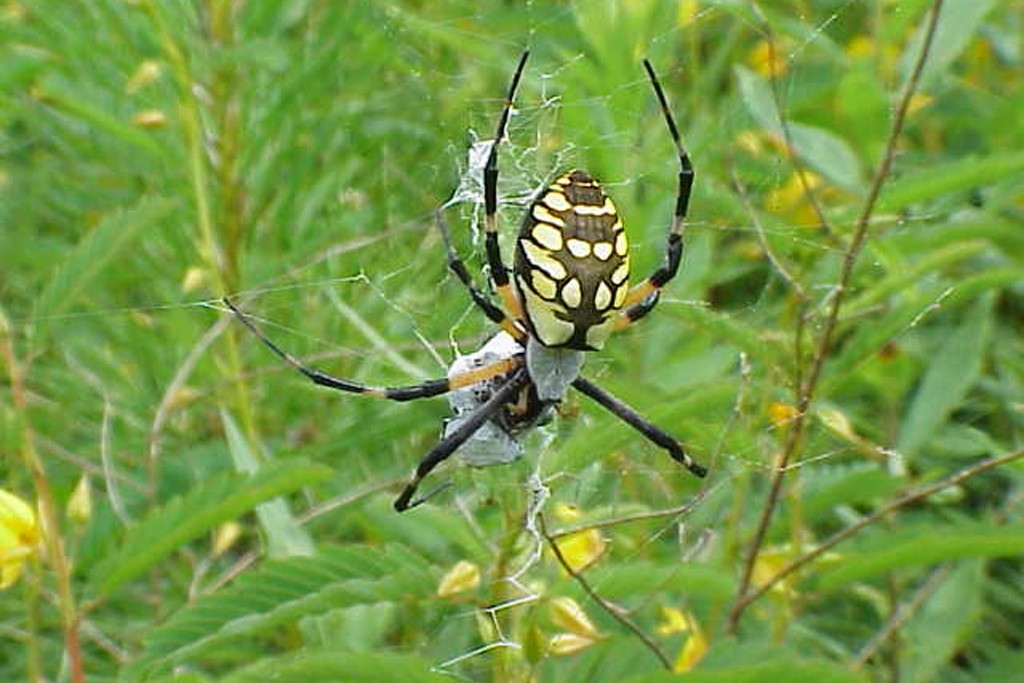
point(638, 422)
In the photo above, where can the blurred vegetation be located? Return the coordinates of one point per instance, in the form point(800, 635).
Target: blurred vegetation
point(843, 365)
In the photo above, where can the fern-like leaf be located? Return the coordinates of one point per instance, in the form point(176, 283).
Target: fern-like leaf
point(76, 274)
point(282, 592)
point(167, 528)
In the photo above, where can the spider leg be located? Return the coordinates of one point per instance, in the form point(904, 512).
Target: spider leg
point(639, 423)
point(642, 298)
point(433, 387)
point(459, 436)
point(499, 272)
point(493, 312)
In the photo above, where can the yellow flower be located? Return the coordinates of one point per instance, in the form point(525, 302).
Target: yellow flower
point(767, 59)
point(567, 613)
point(583, 548)
point(687, 12)
point(768, 563)
point(19, 536)
point(696, 645)
point(147, 72)
point(791, 201)
point(781, 414)
point(563, 644)
point(225, 536)
point(464, 576)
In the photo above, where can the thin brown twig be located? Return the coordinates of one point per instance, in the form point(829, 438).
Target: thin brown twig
point(49, 519)
point(171, 395)
point(809, 386)
point(787, 133)
point(900, 615)
point(762, 238)
point(628, 519)
point(903, 501)
point(604, 604)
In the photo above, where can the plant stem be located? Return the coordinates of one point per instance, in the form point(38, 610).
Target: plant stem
point(912, 497)
point(49, 519)
point(808, 387)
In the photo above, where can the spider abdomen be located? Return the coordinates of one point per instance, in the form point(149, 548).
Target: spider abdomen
point(572, 263)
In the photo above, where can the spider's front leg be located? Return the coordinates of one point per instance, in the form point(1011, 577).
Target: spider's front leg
point(431, 387)
point(642, 298)
point(499, 271)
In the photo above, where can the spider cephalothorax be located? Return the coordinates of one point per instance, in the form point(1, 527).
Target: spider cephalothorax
point(570, 292)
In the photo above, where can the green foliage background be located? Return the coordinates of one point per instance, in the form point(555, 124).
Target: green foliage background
point(158, 155)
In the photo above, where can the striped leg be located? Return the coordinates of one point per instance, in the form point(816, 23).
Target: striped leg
point(450, 443)
point(642, 298)
point(499, 272)
point(493, 312)
point(433, 387)
point(640, 423)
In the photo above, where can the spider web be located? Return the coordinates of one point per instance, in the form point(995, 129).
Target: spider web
point(520, 180)
point(534, 117)
point(528, 161)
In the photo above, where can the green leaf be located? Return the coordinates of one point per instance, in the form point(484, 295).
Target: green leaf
point(339, 667)
point(167, 528)
point(958, 175)
point(758, 99)
point(850, 484)
point(957, 27)
point(75, 275)
point(952, 371)
point(285, 536)
point(788, 669)
point(56, 94)
point(627, 580)
point(829, 154)
point(826, 152)
point(945, 623)
point(910, 274)
point(921, 545)
point(284, 591)
point(761, 344)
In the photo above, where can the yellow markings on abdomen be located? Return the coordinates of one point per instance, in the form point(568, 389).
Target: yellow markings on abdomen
point(572, 263)
point(621, 274)
point(556, 201)
point(543, 215)
point(602, 297)
point(577, 247)
point(572, 293)
point(603, 250)
point(547, 236)
point(606, 209)
point(543, 285)
point(542, 259)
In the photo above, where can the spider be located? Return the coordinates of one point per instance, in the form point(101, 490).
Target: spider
point(566, 293)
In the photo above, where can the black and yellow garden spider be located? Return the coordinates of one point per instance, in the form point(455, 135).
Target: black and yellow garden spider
point(568, 292)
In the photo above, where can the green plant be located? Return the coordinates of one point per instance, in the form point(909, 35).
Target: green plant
point(842, 347)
